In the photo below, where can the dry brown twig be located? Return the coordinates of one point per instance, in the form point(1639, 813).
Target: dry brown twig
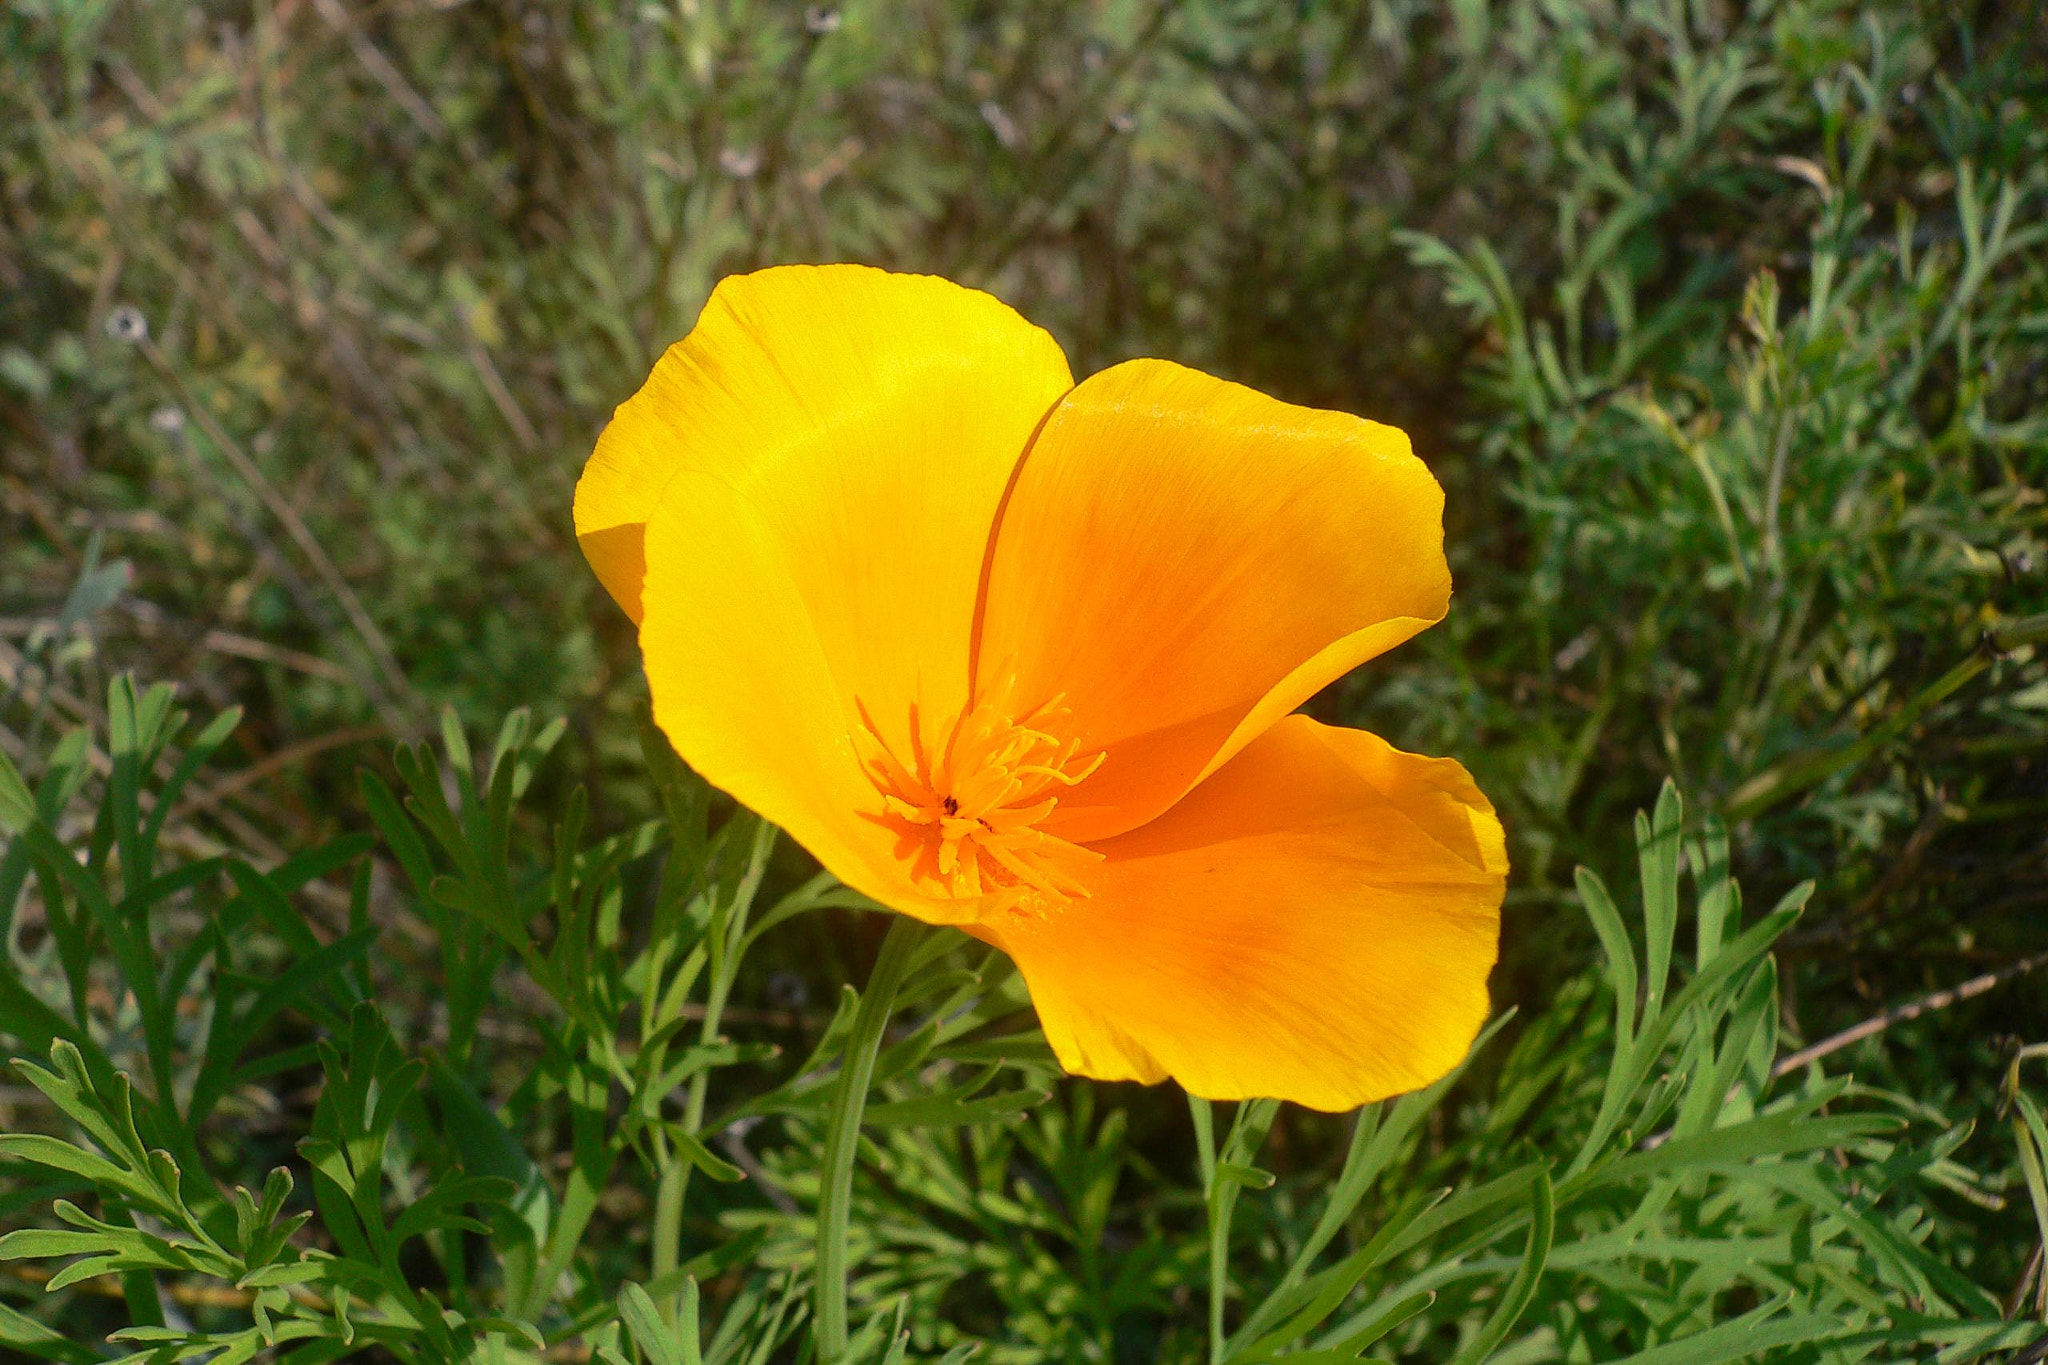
point(1926, 1004)
point(395, 684)
point(1871, 1027)
point(240, 781)
point(380, 67)
point(180, 833)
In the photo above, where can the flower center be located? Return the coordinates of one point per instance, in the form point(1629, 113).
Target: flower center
point(966, 810)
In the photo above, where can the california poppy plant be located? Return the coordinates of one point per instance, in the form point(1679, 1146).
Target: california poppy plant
point(1018, 654)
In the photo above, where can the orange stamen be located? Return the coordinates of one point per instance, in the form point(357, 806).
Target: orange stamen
point(969, 823)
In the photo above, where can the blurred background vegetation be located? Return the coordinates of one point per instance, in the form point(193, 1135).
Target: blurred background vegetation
point(1725, 326)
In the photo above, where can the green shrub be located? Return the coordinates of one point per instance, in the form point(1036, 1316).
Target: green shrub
point(582, 1145)
point(1721, 325)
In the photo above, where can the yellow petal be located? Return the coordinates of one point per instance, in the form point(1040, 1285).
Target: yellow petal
point(1188, 560)
point(797, 507)
point(833, 373)
point(1314, 922)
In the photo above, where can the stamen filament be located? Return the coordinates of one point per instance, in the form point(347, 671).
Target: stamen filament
point(969, 824)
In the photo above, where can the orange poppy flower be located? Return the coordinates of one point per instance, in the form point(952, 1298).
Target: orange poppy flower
point(1018, 654)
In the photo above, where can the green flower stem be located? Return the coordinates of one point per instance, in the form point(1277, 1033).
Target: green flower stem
point(1204, 1117)
point(668, 1214)
point(842, 1133)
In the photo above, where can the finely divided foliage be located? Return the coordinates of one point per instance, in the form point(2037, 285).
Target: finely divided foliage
point(1721, 325)
point(1632, 1178)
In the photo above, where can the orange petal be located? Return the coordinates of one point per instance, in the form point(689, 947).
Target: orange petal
point(1189, 560)
point(829, 373)
point(797, 507)
point(1314, 922)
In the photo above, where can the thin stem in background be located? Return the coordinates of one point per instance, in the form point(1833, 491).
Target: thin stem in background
point(1776, 785)
point(395, 690)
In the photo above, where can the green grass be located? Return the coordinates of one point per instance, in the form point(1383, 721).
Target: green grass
point(1724, 329)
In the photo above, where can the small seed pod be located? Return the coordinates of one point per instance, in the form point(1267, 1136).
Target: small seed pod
point(126, 323)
